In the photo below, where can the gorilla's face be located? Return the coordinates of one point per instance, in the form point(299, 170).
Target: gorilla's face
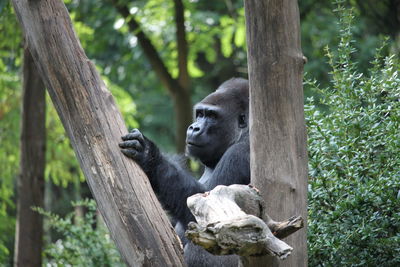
point(219, 121)
point(215, 129)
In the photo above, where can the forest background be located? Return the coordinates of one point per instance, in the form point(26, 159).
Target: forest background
point(352, 108)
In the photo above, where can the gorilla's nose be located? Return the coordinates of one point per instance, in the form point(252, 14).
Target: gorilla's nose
point(194, 128)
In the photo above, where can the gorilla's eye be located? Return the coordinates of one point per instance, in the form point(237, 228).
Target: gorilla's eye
point(199, 114)
point(242, 121)
point(212, 115)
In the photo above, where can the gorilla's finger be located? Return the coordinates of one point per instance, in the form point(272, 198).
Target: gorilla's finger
point(123, 144)
point(135, 131)
point(131, 136)
point(135, 144)
point(129, 153)
point(135, 134)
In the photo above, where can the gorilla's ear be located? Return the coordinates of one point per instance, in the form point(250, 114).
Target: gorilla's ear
point(242, 121)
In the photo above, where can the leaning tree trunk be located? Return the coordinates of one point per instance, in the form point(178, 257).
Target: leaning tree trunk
point(277, 127)
point(29, 226)
point(92, 121)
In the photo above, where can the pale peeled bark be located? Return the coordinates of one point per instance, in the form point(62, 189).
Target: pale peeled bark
point(228, 222)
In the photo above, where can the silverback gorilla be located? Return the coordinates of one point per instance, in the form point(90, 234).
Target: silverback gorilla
point(219, 139)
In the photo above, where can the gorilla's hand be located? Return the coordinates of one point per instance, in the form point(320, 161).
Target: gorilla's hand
point(136, 146)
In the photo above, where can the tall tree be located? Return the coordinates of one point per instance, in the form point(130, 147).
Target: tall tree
point(277, 128)
point(179, 88)
point(29, 226)
point(94, 125)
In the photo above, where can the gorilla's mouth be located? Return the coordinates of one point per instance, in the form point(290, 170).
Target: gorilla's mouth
point(193, 144)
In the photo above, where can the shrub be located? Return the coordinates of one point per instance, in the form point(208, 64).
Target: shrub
point(85, 242)
point(354, 161)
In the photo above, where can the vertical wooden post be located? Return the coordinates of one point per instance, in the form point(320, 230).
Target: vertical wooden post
point(277, 127)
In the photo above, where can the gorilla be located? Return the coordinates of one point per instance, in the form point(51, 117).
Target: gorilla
point(219, 139)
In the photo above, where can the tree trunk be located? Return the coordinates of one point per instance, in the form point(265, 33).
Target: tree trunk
point(182, 100)
point(29, 226)
point(183, 118)
point(92, 121)
point(277, 129)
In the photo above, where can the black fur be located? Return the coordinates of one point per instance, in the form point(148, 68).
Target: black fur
point(219, 138)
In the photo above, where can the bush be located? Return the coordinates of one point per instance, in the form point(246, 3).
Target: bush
point(354, 161)
point(83, 244)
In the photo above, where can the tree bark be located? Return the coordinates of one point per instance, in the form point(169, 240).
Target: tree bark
point(277, 129)
point(179, 89)
point(29, 226)
point(137, 223)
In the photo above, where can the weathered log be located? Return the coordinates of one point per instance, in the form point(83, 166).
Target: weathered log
point(233, 220)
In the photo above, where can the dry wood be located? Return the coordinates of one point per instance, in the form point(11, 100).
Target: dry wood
point(94, 125)
point(278, 155)
point(228, 222)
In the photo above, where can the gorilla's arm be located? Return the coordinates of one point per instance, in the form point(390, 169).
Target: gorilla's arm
point(172, 184)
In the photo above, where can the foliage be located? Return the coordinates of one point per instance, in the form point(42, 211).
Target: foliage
point(354, 161)
point(85, 242)
point(10, 95)
point(318, 31)
point(9, 155)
